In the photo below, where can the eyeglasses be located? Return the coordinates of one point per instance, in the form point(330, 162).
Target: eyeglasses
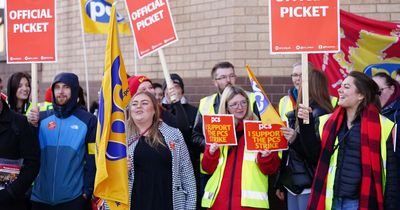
point(295, 75)
point(381, 90)
point(224, 77)
point(236, 104)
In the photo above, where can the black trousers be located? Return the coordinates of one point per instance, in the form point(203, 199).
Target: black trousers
point(78, 203)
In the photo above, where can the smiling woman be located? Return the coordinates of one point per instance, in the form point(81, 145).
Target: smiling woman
point(160, 171)
point(343, 175)
point(239, 179)
point(18, 92)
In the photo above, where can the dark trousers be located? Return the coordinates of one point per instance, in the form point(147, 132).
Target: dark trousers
point(76, 204)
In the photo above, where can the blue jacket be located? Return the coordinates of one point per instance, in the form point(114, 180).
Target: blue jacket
point(67, 136)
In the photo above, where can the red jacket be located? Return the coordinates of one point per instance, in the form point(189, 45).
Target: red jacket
point(230, 192)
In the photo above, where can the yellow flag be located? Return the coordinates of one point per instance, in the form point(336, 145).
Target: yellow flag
point(111, 182)
point(96, 16)
point(268, 113)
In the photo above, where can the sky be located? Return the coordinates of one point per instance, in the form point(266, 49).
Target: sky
point(1, 3)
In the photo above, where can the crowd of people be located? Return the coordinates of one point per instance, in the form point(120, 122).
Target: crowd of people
point(342, 154)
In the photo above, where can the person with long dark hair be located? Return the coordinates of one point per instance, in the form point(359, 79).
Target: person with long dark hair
point(389, 96)
point(357, 166)
point(297, 166)
point(18, 92)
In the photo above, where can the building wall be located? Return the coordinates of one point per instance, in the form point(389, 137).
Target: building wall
point(209, 31)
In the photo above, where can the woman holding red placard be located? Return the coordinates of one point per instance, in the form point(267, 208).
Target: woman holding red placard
point(239, 179)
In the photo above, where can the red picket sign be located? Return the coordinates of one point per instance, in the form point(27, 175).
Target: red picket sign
point(31, 31)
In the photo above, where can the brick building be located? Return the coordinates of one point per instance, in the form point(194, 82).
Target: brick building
point(209, 31)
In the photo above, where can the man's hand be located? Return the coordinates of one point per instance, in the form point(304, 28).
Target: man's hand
point(33, 116)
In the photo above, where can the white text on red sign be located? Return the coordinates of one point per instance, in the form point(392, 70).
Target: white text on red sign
point(143, 11)
point(302, 11)
point(30, 14)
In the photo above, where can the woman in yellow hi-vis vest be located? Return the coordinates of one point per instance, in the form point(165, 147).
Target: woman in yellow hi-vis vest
point(357, 166)
point(239, 179)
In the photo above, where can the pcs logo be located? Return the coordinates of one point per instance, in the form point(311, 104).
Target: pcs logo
point(262, 102)
point(100, 10)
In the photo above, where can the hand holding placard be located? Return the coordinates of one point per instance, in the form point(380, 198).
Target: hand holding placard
point(260, 136)
point(213, 148)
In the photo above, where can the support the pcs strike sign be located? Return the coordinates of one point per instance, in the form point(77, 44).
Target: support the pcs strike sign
point(304, 26)
point(152, 25)
point(31, 31)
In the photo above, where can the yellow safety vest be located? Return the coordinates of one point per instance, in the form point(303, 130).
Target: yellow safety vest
point(286, 105)
point(254, 184)
point(386, 128)
point(44, 106)
point(206, 106)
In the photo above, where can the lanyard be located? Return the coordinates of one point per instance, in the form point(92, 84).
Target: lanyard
point(138, 137)
point(342, 139)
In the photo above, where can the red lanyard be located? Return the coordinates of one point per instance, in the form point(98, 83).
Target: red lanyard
point(138, 137)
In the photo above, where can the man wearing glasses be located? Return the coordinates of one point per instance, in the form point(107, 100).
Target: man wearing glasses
point(223, 75)
point(289, 102)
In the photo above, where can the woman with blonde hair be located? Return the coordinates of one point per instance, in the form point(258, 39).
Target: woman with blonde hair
point(239, 178)
point(160, 172)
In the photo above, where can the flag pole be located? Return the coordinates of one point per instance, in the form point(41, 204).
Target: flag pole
point(135, 56)
point(34, 84)
point(166, 72)
point(304, 81)
point(85, 59)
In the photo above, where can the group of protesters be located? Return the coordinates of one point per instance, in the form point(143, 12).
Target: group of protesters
point(342, 151)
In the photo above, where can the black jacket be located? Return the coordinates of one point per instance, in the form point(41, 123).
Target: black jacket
point(185, 115)
point(297, 168)
point(17, 141)
point(392, 111)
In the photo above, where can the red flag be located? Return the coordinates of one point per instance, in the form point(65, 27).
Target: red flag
point(363, 42)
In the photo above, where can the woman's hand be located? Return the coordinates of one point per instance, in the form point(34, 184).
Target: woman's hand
point(213, 148)
point(304, 112)
point(33, 116)
point(265, 153)
point(289, 133)
point(280, 194)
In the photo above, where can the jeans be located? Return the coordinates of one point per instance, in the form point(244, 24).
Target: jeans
point(297, 202)
point(345, 204)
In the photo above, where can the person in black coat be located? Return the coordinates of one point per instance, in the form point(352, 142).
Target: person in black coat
point(17, 142)
point(297, 166)
point(182, 110)
point(389, 97)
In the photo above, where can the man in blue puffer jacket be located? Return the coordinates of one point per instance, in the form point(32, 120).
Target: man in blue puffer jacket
point(67, 136)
